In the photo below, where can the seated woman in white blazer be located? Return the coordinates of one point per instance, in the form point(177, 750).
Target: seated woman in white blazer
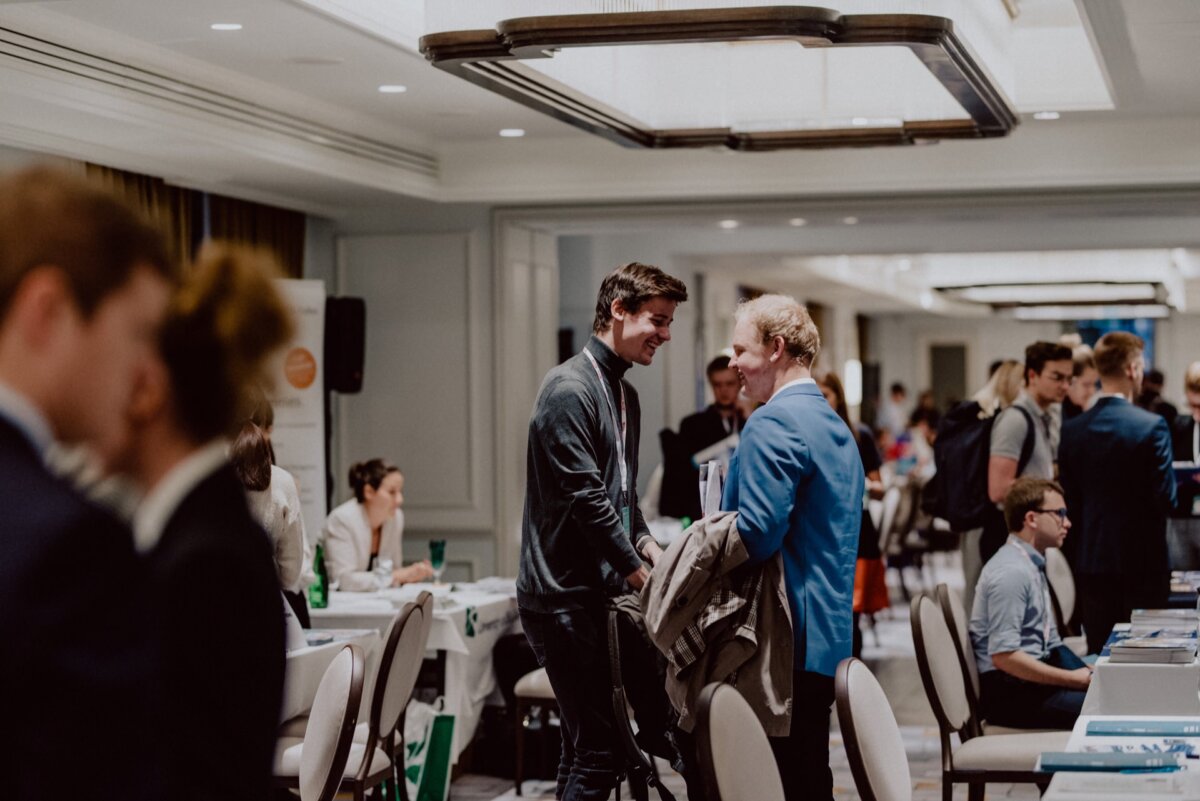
point(367, 528)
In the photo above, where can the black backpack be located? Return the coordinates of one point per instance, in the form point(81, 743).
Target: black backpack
point(958, 491)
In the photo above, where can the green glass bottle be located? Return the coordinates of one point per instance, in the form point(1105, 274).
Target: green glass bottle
point(318, 592)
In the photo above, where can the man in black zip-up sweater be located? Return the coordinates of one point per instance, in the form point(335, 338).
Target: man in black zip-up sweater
point(583, 536)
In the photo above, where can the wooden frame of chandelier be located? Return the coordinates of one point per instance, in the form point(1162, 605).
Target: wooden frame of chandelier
point(492, 59)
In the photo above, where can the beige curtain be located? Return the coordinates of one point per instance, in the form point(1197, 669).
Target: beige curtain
point(277, 230)
point(172, 208)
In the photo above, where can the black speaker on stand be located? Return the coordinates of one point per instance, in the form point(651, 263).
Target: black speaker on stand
point(345, 351)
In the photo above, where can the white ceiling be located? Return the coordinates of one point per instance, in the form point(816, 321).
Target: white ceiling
point(1146, 49)
point(286, 111)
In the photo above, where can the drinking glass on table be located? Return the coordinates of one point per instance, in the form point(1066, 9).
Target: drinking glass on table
point(437, 559)
point(383, 572)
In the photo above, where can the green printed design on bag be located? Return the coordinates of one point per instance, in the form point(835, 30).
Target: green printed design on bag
point(472, 617)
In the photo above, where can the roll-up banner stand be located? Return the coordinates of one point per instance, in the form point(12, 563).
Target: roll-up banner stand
point(299, 400)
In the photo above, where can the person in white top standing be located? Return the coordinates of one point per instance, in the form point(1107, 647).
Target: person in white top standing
point(273, 500)
point(365, 533)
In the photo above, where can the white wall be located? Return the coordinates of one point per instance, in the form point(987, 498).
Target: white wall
point(900, 343)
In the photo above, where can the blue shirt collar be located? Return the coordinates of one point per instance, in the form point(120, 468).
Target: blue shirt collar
point(1038, 559)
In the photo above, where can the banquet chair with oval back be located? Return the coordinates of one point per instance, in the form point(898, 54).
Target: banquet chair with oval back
point(316, 770)
point(1062, 595)
point(874, 746)
point(370, 764)
point(735, 755)
point(393, 740)
point(958, 621)
point(978, 760)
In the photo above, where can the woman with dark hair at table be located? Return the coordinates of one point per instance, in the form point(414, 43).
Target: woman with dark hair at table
point(367, 531)
point(219, 621)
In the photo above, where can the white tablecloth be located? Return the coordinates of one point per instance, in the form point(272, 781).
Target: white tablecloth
point(1179, 786)
point(1145, 690)
point(306, 666)
point(466, 626)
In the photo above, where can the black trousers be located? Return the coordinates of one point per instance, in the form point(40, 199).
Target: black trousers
point(803, 756)
point(573, 647)
point(1108, 598)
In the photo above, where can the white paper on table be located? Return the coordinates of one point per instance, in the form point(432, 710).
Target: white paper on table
point(711, 502)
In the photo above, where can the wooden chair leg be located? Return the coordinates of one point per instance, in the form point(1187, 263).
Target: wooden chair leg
point(975, 791)
point(947, 789)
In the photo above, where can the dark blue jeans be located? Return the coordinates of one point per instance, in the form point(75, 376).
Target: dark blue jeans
point(1005, 700)
point(573, 647)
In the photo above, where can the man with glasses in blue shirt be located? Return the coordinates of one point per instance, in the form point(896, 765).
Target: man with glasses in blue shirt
point(1027, 677)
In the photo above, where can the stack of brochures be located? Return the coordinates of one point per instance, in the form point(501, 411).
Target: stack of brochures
point(1179, 622)
point(1054, 761)
point(1155, 648)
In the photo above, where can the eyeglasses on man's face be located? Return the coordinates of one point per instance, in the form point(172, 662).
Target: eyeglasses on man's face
point(1061, 513)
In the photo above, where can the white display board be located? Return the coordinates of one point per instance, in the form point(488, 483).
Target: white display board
point(298, 396)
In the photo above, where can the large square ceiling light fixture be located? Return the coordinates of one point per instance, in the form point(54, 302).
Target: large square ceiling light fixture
point(745, 77)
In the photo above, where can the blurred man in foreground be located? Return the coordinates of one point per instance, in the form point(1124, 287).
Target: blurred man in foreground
point(84, 285)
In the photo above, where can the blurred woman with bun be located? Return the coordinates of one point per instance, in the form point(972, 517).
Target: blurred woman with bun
point(218, 612)
point(367, 531)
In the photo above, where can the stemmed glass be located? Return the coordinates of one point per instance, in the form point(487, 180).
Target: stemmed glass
point(437, 559)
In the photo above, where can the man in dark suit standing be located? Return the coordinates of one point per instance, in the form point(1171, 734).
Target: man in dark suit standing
point(83, 286)
point(1115, 464)
point(721, 419)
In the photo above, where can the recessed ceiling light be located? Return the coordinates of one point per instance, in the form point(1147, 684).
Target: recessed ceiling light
point(512, 133)
point(859, 121)
point(226, 26)
point(1046, 115)
point(392, 88)
point(796, 222)
point(904, 265)
point(850, 220)
point(728, 225)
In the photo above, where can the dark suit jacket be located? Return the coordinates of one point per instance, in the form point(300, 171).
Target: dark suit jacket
point(681, 480)
point(75, 656)
point(220, 628)
point(1115, 465)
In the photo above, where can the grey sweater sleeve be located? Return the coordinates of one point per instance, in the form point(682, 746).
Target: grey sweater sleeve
point(565, 430)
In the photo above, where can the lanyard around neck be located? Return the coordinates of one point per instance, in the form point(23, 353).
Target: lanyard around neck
point(619, 424)
point(1049, 605)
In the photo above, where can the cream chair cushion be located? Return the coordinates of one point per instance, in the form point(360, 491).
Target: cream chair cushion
point(1008, 751)
point(962, 633)
point(535, 684)
point(289, 756)
point(335, 703)
point(1062, 581)
point(884, 759)
point(942, 657)
point(406, 665)
point(743, 763)
point(990, 729)
point(293, 727)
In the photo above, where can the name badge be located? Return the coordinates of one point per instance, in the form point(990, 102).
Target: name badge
point(625, 518)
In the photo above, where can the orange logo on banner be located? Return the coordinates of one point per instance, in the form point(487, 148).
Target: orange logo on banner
point(300, 368)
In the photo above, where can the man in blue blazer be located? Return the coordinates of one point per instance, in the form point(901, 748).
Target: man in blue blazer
point(1115, 465)
point(797, 483)
point(83, 287)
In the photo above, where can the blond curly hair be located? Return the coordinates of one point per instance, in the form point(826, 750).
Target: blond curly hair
point(782, 316)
